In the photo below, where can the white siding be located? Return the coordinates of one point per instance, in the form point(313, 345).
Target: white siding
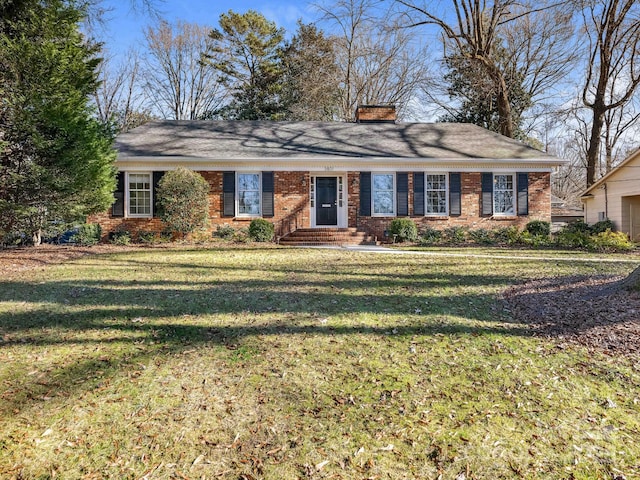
point(623, 182)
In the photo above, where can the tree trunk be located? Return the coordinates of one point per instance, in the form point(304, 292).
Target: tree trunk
point(593, 152)
point(632, 281)
point(36, 237)
point(504, 112)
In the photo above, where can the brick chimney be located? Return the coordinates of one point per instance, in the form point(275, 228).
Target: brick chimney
point(376, 114)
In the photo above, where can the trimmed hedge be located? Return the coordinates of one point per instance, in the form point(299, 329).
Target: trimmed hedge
point(403, 230)
point(261, 230)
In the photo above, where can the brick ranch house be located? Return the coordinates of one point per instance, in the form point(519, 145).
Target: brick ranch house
point(314, 175)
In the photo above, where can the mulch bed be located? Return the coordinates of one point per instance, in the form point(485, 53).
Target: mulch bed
point(595, 311)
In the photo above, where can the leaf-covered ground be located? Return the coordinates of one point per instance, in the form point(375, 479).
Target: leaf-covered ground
point(589, 310)
point(281, 363)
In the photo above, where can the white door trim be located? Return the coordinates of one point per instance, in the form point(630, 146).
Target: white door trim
point(343, 201)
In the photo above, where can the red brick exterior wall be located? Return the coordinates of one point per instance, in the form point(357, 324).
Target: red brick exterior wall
point(291, 200)
point(539, 206)
point(376, 113)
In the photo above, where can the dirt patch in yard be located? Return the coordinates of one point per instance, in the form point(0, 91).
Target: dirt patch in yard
point(599, 312)
point(16, 261)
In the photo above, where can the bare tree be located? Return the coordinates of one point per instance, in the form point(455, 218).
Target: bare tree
point(568, 181)
point(612, 29)
point(180, 85)
point(119, 98)
point(484, 31)
point(379, 61)
point(618, 123)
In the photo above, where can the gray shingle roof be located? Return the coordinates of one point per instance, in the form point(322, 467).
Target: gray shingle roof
point(307, 140)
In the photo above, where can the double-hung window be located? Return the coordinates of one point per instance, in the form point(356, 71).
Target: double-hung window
point(248, 194)
point(504, 194)
point(383, 194)
point(436, 194)
point(139, 187)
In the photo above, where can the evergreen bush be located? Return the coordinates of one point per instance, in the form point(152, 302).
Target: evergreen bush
point(226, 232)
point(120, 237)
point(538, 228)
point(602, 226)
point(454, 235)
point(183, 197)
point(403, 230)
point(482, 236)
point(87, 234)
point(429, 236)
point(261, 230)
point(609, 241)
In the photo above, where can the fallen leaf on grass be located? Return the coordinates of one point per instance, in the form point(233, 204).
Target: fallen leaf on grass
point(321, 465)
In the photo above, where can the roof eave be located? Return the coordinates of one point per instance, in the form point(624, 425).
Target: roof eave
point(318, 162)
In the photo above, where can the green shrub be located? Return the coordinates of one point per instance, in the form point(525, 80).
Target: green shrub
point(602, 226)
point(147, 237)
point(570, 237)
point(507, 235)
point(261, 230)
point(527, 238)
point(538, 228)
point(403, 230)
point(609, 241)
point(241, 235)
point(454, 235)
point(429, 236)
point(183, 197)
point(120, 237)
point(200, 236)
point(226, 232)
point(87, 234)
point(482, 236)
point(12, 239)
point(577, 227)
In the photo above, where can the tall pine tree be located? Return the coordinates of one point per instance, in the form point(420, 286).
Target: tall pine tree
point(246, 52)
point(56, 160)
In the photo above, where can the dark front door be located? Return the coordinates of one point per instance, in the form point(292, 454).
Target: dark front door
point(327, 201)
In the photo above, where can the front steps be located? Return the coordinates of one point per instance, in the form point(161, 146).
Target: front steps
point(310, 237)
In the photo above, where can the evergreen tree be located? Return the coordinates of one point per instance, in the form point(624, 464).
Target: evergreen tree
point(247, 53)
point(311, 77)
point(470, 84)
point(56, 159)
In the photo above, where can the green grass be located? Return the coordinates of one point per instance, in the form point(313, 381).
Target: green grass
point(301, 364)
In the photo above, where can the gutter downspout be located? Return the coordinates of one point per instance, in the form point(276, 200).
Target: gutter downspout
point(606, 202)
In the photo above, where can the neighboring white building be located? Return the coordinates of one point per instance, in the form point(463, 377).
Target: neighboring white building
point(617, 196)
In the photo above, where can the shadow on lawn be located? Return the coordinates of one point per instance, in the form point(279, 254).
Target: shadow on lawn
point(169, 316)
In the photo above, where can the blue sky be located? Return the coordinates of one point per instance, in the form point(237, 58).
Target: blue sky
point(123, 26)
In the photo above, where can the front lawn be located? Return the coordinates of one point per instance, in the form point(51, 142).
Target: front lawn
point(288, 363)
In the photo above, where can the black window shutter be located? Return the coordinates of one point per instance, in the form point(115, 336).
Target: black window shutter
point(418, 193)
point(228, 194)
point(157, 211)
point(402, 193)
point(487, 193)
point(365, 194)
point(523, 193)
point(267, 194)
point(455, 195)
point(117, 209)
